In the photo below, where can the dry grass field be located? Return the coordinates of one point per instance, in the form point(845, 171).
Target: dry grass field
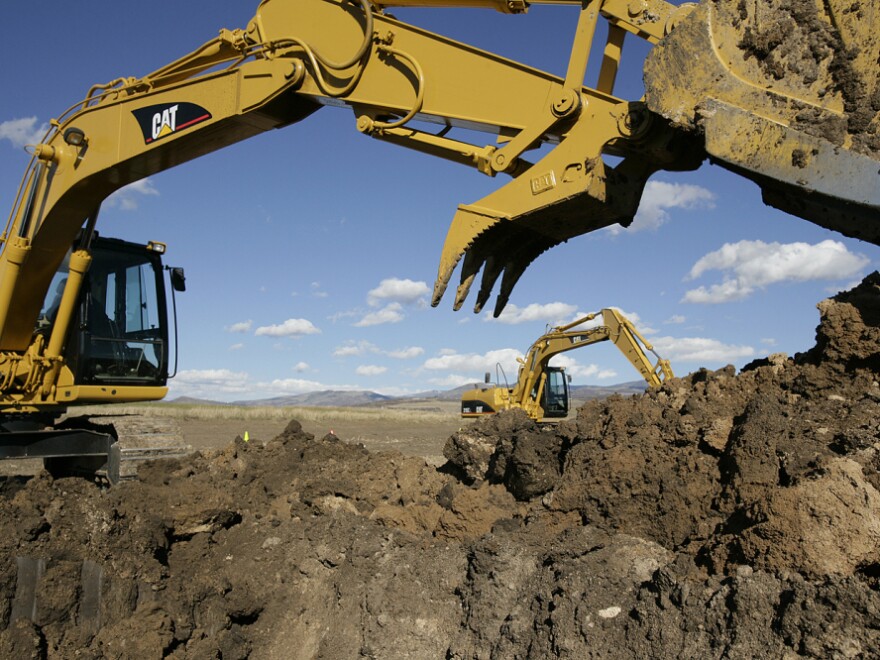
point(417, 428)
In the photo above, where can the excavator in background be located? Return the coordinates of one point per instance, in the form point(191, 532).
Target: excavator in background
point(542, 391)
point(778, 92)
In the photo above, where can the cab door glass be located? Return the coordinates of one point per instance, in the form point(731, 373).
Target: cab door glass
point(126, 337)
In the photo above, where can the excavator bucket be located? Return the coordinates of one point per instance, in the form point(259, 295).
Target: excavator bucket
point(569, 192)
point(784, 92)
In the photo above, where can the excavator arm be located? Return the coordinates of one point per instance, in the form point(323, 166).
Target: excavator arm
point(293, 58)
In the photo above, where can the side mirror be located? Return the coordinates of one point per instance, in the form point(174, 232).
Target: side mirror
point(487, 378)
point(178, 279)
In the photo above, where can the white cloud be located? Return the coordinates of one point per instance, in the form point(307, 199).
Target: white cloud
point(351, 348)
point(281, 386)
point(24, 131)
point(226, 385)
point(474, 363)
point(391, 313)
point(397, 290)
point(300, 367)
point(236, 347)
point(455, 380)
point(700, 350)
point(675, 319)
point(658, 197)
point(406, 353)
point(126, 198)
point(213, 383)
point(581, 371)
point(240, 327)
point(290, 328)
point(370, 370)
point(550, 313)
point(751, 265)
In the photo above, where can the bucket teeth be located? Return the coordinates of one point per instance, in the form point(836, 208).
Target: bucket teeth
point(502, 250)
point(506, 231)
point(462, 240)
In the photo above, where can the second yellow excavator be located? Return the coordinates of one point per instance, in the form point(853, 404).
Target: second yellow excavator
point(541, 390)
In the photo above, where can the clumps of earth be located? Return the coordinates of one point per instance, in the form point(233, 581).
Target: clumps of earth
point(724, 515)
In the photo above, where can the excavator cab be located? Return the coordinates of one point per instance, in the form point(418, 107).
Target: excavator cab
point(556, 393)
point(119, 335)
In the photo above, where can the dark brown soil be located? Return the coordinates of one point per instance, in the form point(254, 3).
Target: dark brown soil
point(723, 516)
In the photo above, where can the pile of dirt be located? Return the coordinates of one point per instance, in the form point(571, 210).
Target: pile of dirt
point(722, 516)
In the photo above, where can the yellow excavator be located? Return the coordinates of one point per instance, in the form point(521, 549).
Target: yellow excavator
point(542, 391)
point(778, 92)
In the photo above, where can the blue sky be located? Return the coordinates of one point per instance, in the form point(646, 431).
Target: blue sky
point(310, 252)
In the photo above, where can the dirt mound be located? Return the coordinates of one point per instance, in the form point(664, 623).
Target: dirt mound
point(724, 515)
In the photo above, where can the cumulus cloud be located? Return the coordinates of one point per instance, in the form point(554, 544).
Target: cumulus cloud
point(300, 367)
point(581, 371)
point(281, 386)
point(370, 370)
point(227, 385)
point(127, 197)
point(454, 380)
point(212, 383)
point(406, 353)
point(351, 348)
point(474, 363)
point(553, 312)
point(290, 328)
point(403, 291)
point(751, 265)
point(391, 313)
point(240, 327)
point(659, 197)
point(700, 349)
point(24, 131)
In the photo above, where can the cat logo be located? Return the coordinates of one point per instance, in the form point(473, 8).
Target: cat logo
point(160, 121)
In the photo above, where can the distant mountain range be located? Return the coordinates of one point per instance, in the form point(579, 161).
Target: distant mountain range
point(344, 398)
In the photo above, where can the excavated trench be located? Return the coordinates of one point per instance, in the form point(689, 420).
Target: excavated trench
point(724, 515)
